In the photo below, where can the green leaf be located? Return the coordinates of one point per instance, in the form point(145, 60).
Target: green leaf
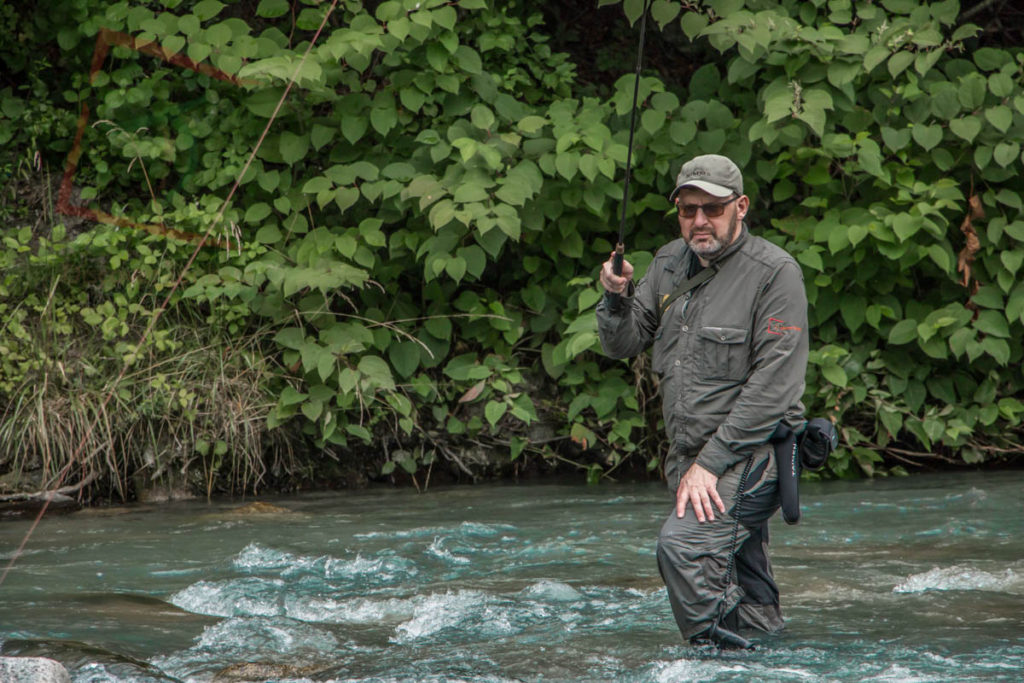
point(652, 120)
point(271, 9)
point(966, 128)
point(853, 310)
point(474, 258)
point(905, 225)
point(567, 164)
point(469, 192)
point(291, 396)
point(445, 17)
point(927, 136)
point(383, 119)
point(404, 357)
point(1000, 116)
point(442, 213)
point(293, 147)
point(895, 139)
point(664, 11)
point(941, 257)
point(494, 410)
point(693, 22)
point(353, 127)
point(903, 332)
point(439, 327)
point(468, 59)
point(531, 124)
point(361, 432)
point(345, 197)
point(899, 62)
point(1010, 198)
point(412, 98)
point(993, 323)
point(1006, 153)
point(312, 410)
point(891, 419)
point(257, 212)
point(1012, 260)
point(988, 296)
point(811, 257)
point(207, 9)
point(465, 368)
point(291, 338)
point(376, 373)
point(875, 56)
point(841, 72)
point(835, 375)
point(317, 184)
point(482, 117)
point(456, 268)
point(997, 348)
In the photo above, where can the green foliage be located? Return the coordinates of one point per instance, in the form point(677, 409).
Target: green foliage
point(422, 224)
point(86, 398)
point(875, 142)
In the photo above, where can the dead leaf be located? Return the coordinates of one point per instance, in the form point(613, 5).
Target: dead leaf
point(473, 392)
point(966, 256)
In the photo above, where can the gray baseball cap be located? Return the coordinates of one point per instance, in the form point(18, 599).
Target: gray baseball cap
point(713, 173)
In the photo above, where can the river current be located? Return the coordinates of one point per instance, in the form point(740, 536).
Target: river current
point(911, 579)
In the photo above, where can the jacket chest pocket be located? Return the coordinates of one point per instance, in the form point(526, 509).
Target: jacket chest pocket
point(725, 352)
point(661, 353)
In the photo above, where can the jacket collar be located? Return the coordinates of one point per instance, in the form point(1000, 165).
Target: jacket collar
point(735, 246)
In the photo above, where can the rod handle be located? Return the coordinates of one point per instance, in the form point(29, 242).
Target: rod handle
point(617, 257)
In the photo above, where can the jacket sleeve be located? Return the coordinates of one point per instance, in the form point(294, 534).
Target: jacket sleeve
point(629, 329)
point(776, 383)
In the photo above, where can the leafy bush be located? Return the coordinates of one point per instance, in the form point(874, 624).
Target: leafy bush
point(422, 224)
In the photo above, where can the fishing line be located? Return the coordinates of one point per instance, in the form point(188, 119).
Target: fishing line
point(188, 264)
point(620, 248)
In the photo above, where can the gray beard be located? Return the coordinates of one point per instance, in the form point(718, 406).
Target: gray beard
point(716, 247)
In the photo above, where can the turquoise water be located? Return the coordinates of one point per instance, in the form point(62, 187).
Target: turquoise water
point(915, 579)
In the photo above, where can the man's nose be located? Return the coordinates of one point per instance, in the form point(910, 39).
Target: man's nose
point(700, 219)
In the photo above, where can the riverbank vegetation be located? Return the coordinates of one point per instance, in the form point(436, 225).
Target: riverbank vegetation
point(402, 285)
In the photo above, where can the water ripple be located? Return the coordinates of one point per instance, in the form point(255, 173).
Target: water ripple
point(959, 578)
point(382, 569)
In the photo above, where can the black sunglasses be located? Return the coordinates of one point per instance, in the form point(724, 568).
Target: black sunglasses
point(711, 209)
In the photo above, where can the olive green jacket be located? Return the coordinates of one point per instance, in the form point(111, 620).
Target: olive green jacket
point(730, 356)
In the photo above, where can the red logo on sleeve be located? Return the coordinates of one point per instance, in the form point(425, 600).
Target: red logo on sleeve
point(779, 327)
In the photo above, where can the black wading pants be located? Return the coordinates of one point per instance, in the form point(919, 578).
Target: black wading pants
point(693, 556)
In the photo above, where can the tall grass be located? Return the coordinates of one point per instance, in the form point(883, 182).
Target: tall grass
point(195, 414)
point(82, 407)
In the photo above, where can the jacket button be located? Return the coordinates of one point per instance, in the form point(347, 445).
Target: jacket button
point(722, 337)
point(677, 362)
point(686, 328)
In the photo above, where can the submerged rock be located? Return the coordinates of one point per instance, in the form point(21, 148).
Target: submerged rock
point(32, 670)
point(78, 657)
point(29, 504)
point(257, 672)
point(259, 508)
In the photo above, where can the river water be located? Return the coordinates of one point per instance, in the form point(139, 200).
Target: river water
point(912, 579)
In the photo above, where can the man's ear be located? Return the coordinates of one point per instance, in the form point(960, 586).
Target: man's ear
point(742, 206)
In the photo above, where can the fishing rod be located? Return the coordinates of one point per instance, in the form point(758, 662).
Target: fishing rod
point(620, 248)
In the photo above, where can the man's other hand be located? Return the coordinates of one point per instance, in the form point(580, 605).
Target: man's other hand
point(699, 488)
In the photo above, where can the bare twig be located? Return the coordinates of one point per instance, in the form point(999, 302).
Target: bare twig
point(977, 9)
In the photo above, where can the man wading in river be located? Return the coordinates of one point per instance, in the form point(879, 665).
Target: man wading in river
point(726, 313)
